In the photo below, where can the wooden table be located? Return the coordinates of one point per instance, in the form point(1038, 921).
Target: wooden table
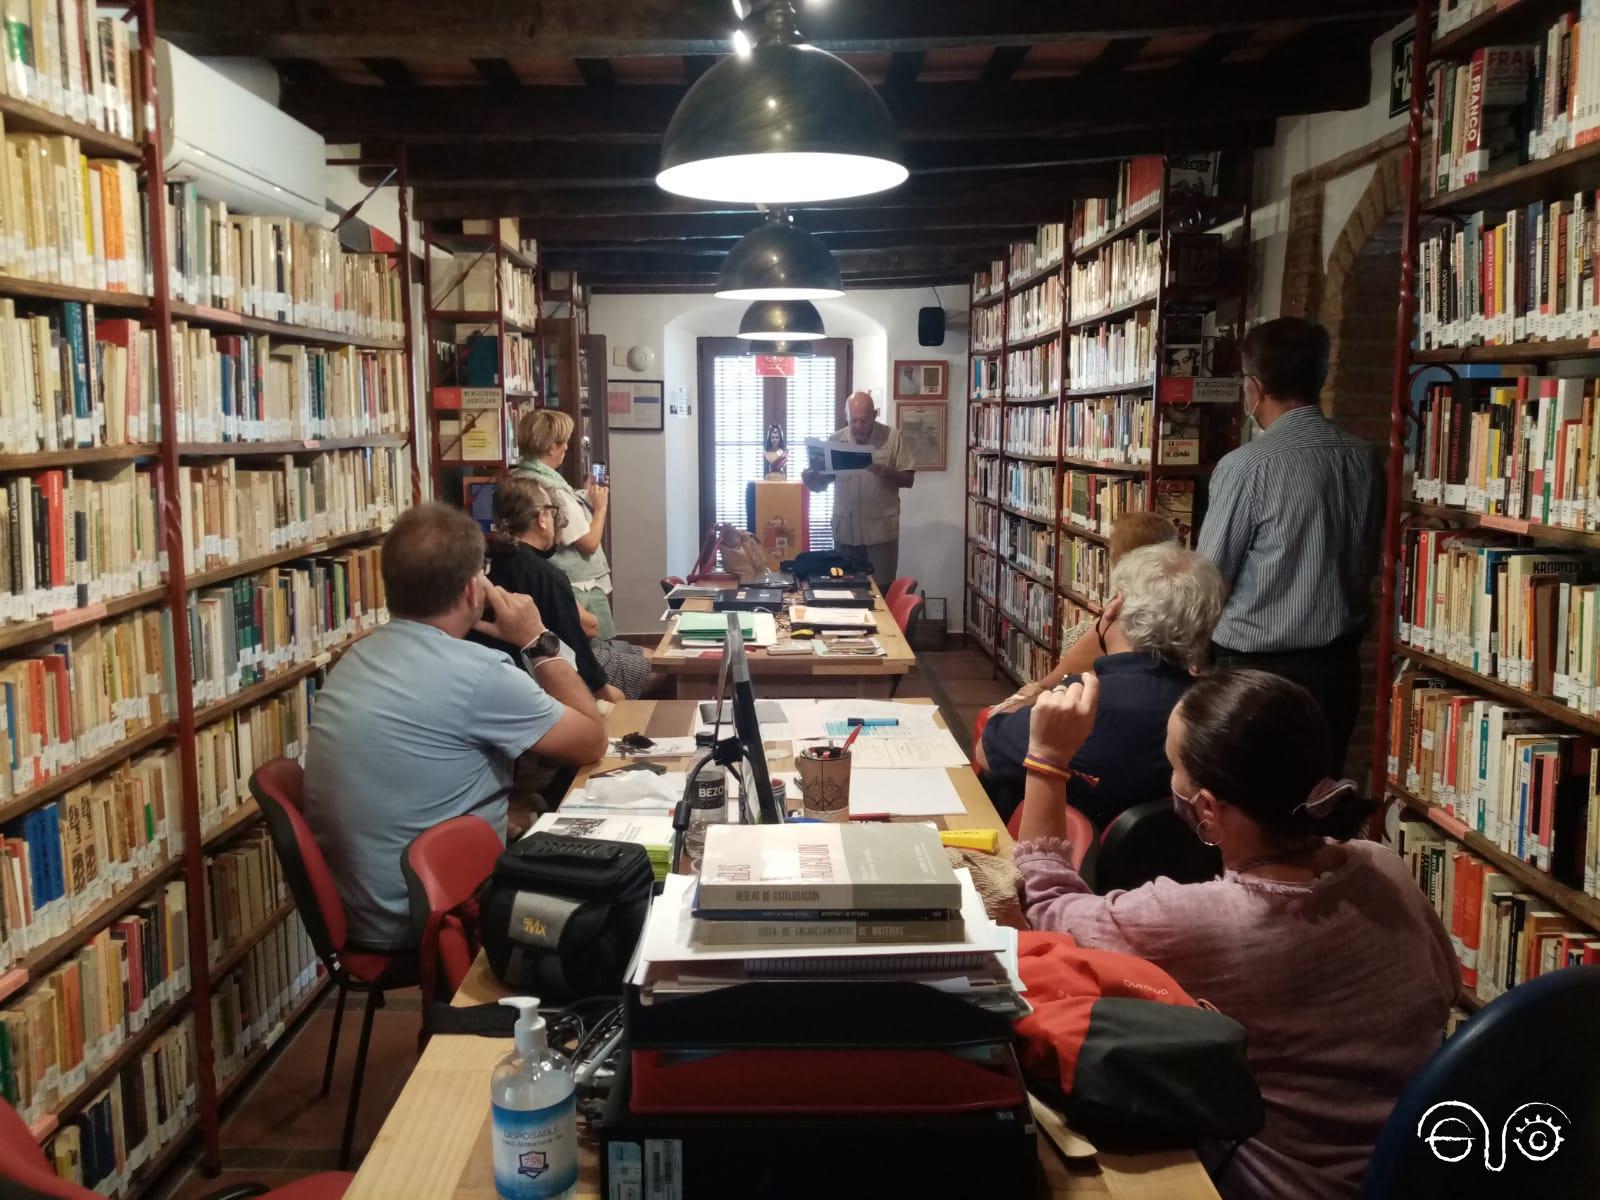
point(694, 672)
point(435, 1143)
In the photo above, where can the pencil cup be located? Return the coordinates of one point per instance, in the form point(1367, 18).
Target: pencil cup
point(824, 785)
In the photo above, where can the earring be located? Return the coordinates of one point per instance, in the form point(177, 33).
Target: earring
point(1201, 834)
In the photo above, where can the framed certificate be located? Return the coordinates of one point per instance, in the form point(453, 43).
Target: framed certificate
point(921, 424)
point(635, 405)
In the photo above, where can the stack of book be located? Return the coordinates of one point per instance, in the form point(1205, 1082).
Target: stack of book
point(989, 283)
point(711, 629)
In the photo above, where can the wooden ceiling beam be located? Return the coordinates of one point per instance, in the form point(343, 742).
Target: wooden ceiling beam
point(1003, 63)
point(496, 72)
point(392, 71)
point(597, 72)
point(879, 239)
point(614, 28)
point(1337, 77)
point(933, 219)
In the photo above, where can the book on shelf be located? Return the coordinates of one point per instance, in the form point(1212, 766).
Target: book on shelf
point(1112, 429)
point(70, 1022)
point(227, 752)
point(244, 886)
point(987, 324)
point(1093, 501)
point(1175, 501)
point(68, 381)
point(1083, 566)
point(1119, 273)
point(468, 282)
point(1027, 601)
point(750, 868)
point(1114, 353)
point(64, 57)
point(1027, 543)
point(1137, 191)
point(1035, 310)
point(1034, 373)
point(985, 381)
point(1031, 430)
point(250, 1003)
point(1020, 652)
point(1045, 251)
point(990, 282)
point(1031, 488)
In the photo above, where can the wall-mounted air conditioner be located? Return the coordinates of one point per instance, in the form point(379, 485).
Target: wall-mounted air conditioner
point(234, 145)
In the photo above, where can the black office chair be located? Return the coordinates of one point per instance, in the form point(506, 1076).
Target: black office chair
point(1148, 841)
point(1513, 1097)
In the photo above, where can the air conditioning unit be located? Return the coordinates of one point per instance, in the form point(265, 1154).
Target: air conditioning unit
point(236, 147)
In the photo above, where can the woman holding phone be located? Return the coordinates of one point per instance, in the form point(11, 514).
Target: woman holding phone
point(543, 436)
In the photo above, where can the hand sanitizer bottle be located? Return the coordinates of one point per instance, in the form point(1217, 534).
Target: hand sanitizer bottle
point(535, 1114)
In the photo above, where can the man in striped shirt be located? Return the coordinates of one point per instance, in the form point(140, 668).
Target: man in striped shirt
point(1294, 523)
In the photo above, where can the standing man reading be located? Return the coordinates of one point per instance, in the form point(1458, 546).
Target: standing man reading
point(866, 504)
point(1295, 526)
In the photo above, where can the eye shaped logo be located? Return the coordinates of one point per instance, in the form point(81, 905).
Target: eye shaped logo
point(1452, 1129)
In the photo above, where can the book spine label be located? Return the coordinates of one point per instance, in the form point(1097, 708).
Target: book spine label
point(826, 933)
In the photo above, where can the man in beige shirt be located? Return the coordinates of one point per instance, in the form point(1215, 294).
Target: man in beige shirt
point(866, 504)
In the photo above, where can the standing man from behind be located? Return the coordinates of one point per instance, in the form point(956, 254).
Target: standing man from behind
point(1294, 524)
point(866, 504)
point(417, 725)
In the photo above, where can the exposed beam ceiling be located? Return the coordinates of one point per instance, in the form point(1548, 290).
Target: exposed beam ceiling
point(959, 220)
point(893, 260)
point(612, 28)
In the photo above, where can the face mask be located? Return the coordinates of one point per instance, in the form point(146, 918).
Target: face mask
point(1184, 807)
point(1250, 410)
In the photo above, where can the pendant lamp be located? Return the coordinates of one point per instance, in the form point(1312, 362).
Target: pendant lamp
point(781, 321)
point(779, 262)
point(781, 349)
point(786, 123)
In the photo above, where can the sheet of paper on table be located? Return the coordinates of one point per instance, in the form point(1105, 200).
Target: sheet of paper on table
point(936, 749)
point(903, 793)
point(630, 792)
point(811, 722)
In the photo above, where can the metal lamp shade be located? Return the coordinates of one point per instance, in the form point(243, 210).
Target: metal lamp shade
point(779, 262)
point(781, 321)
point(791, 349)
point(786, 124)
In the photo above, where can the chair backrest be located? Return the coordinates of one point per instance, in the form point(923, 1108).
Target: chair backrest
point(279, 787)
point(1149, 841)
point(903, 586)
point(1526, 1051)
point(444, 868)
point(904, 610)
point(24, 1170)
point(1081, 833)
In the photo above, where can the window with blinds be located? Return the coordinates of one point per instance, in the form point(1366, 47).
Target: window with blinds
point(812, 393)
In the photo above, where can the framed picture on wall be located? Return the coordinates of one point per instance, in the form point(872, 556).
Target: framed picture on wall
point(922, 428)
point(635, 405)
point(921, 379)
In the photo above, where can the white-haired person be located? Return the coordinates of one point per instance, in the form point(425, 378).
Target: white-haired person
point(1154, 634)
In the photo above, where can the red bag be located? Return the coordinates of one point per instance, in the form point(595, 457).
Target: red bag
point(1129, 1053)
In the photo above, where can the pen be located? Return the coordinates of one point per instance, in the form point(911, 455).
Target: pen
point(854, 734)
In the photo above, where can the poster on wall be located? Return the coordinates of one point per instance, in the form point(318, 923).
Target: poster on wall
point(921, 424)
point(635, 404)
point(921, 379)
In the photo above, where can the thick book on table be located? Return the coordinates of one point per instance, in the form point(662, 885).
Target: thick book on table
point(757, 867)
point(761, 932)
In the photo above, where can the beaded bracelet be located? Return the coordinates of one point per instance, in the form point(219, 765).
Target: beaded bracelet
point(1039, 765)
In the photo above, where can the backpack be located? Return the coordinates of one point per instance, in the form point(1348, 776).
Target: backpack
point(1126, 1053)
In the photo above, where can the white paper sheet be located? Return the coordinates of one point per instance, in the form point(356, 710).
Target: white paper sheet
point(937, 749)
point(811, 722)
point(903, 793)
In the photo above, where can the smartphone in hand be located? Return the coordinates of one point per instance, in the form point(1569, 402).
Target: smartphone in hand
point(601, 474)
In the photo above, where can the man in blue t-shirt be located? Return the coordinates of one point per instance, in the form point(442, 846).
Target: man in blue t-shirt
point(1163, 602)
point(417, 725)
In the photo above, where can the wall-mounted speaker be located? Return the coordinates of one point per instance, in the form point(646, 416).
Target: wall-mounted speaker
point(930, 326)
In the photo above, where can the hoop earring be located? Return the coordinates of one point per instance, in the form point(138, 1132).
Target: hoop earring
point(1201, 834)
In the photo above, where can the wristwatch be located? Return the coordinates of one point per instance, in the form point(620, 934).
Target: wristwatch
point(546, 645)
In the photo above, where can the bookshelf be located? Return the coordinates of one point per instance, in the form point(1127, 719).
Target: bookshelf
point(1492, 541)
point(485, 366)
point(1099, 380)
point(120, 642)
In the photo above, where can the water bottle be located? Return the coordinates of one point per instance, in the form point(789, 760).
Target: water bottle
point(708, 805)
point(535, 1114)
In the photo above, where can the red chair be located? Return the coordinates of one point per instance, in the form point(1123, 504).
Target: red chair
point(905, 610)
point(444, 868)
point(279, 787)
point(903, 586)
point(24, 1166)
point(1080, 833)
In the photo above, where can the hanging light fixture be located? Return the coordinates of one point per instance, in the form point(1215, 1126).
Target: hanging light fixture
point(780, 348)
point(781, 321)
point(779, 262)
point(779, 122)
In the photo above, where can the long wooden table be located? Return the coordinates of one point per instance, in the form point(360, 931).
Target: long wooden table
point(435, 1143)
point(694, 672)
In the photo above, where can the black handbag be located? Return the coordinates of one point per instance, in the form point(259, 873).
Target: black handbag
point(560, 916)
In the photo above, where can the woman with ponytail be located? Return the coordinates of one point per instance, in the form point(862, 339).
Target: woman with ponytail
point(1321, 946)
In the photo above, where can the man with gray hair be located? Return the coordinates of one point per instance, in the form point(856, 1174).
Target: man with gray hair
point(1153, 636)
point(866, 504)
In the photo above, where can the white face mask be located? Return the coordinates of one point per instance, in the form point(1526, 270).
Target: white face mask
point(1250, 409)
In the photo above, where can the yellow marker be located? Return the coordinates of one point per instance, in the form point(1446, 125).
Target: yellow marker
point(985, 840)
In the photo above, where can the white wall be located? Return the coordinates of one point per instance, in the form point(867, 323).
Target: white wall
point(655, 501)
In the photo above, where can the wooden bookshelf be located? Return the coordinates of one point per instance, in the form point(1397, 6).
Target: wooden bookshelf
point(313, 997)
point(1113, 389)
point(1078, 598)
point(20, 287)
point(215, 575)
point(235, 954)
point(1095, 464)
point(24, 633)
point(1538, 702)
point(1092, 535)
point(1111, 314)
point(211, 713)
point(21, 116)
point(283, 331)
point(1506, 21)
point(41, 460)
point(1544, 178)
point(278, 449)
point(246, 815)
point(83, 772)
point(42, 958)
point(1518, 352)
point(1556, 535)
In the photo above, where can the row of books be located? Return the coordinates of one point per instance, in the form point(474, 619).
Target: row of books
point(1028, 544)
point(244, 887)
point(983, 476)
point(468, 281)
point(1085, 566)
point(1502, 935)
point(1034, 373)
point(1109, 429)
point(1032, 430)
point(1027, 658)
point(1138, 191)
point(67, 1025)
point(1516, 777)
point(71, 538)
point(1485, 112)
point(984, 383)
point(69, 219)
point(250, 1003)
point(1035, 310)
point(987, 324)
point(1093, 501)
point(1113, 353)
point(979, 616)
point(232, 512)
point(1523, 448)
point(1026, 601)
point(1031, 489)
point(64, 57)
point(982, 570)
point(68, 381)
point(989, 282)
point(233, 388)
point(1511, 275)
point(1120, 273)
point(80, 696)
point(1025, 258)
point(227, 752)
point(256, 625)
point(68, 856)
point(109, 1144)
point(987, 424)
point(1070, 614)
point(277, 269)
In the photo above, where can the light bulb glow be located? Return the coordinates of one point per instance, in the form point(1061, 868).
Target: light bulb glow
point(774, 293)
point(741, 43)
point(782, 178)
point(774, 335)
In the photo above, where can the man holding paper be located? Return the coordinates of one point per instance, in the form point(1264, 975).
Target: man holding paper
point(866, 504)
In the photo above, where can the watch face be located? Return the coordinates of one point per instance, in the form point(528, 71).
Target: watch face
point(547, 644)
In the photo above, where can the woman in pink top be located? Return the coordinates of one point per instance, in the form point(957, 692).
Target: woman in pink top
point(1321, 947)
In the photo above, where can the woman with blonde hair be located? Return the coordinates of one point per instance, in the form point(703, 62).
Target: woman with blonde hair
point(543, 437)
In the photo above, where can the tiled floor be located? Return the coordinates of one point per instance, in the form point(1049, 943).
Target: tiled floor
point(280, 1128)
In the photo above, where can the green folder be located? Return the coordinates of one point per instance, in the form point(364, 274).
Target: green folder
point(712, 627)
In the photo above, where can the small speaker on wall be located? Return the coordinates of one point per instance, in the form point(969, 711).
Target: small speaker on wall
point(930, 326)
